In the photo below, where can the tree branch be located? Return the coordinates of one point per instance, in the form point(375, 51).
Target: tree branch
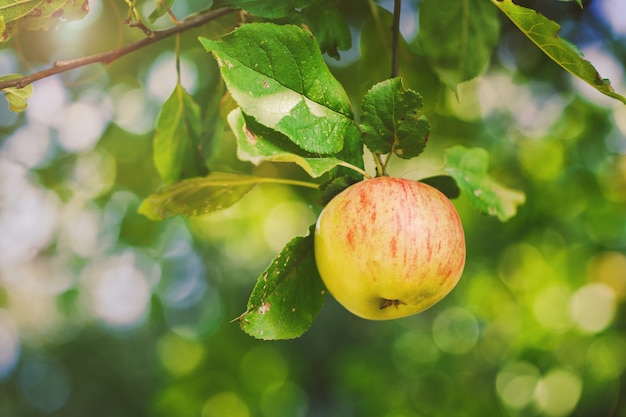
point(110, 56)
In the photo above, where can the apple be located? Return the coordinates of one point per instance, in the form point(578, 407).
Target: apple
point(389, 247)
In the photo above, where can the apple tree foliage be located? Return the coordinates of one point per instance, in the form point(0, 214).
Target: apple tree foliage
point(283, 104)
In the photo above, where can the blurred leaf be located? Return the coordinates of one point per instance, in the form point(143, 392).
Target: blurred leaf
point(391, 120)
point(287, 296)
point(16, 96)
point(457, 37)
point(199, 196)
point(38, 15)
point(375, 62)
point(579, 2)
point(327, 24)
point(269, 9)
point(278, 76)
point(444, 183)
point(256, 147)
point(177, 138)
point(543, 32)
point(469, 169)
point(212, 124)
point(161, 9)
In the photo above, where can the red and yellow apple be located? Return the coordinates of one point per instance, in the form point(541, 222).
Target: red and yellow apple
point(389, 247)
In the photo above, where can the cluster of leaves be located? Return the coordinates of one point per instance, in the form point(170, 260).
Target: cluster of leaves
point(288, 107)
point(291, 109)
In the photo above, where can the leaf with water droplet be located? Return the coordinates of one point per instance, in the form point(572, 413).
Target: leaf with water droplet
point(468, 167)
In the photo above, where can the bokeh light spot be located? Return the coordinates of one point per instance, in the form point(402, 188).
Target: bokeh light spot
point(613, 12)
point(541, 159)
point(93, 174)
point(29, 215)
point(46, 106)
point(225, 404)
point(558, 392)
point(44, 383)
point(606, 357)
point(162, 76)
point(516, 384)
point(286, 220)
point(178, 355)
point(133, 111)
point(28, 145)
point(285, 399)
point(609, 268)
point(119, 292)
point(9, 344)
point(415, 353)
point(593, 306)
point(81, 126)
point(455, 330)
point(263, 366)
point(551, 308)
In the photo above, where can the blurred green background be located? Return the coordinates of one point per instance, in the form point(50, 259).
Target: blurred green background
point(105, 313)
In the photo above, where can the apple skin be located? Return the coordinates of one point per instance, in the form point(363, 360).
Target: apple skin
point(389, 247)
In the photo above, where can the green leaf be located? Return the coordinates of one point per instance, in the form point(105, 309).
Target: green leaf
point(287, 296)
point(447, 185)
point(391, 120)
point(469, 167)
point(457, 37)
point(543, 32)
point(38, 15)
point(199, 196)
point(16, 96)
point(177, 138)
point(327, 24)
point(161, 9)
point(258, 144)
point(262, 8)
point(278, 76)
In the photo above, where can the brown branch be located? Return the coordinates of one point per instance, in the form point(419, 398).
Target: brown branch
point(110, 56)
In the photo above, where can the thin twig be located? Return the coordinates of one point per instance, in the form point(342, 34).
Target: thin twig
point(395, 30)
point(110, 56)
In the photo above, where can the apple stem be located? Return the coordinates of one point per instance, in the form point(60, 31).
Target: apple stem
point(381, 169)
point(355, 168)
